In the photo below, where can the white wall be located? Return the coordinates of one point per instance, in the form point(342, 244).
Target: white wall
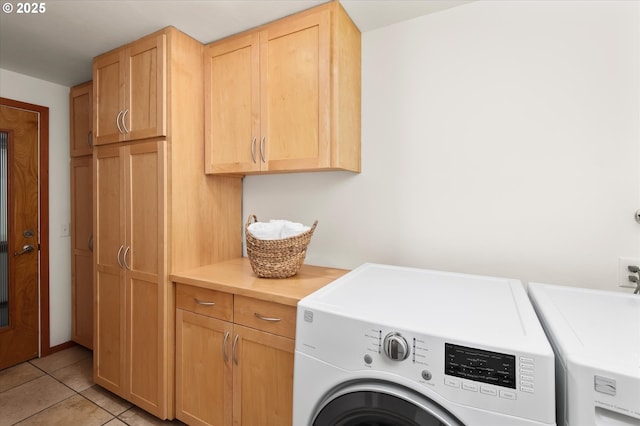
point(499, 138)
point(27, 89)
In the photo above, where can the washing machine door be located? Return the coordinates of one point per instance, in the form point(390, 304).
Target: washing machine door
point(381, 404)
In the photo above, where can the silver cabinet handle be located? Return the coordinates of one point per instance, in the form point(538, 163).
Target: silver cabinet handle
point(124, 124)
point(263, 318)
point(118, 122)
point(262, 149)
point(118, 256)
point(224, 347)
point(90, 139)
point(124, 257)
point(233, 350)
point(202, 302)
point(27, 248)
point(253, 149)
point(90, 242)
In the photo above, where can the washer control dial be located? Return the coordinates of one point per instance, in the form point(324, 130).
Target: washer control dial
point(396, 347)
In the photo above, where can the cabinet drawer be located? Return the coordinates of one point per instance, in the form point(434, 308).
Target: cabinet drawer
point(203, 301)
point(267, 316)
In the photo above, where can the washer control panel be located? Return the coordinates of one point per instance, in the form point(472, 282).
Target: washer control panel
point(479, 365)
point(462, 373)
point(513, 382)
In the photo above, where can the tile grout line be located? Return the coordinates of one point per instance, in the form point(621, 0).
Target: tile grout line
point(75, 392)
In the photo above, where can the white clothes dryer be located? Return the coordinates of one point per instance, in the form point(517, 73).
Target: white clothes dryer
point(390, 345)
point(595, 335)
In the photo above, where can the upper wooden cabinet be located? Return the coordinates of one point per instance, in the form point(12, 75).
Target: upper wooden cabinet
point(285, 96)
point(130, 91)
point(80, 113)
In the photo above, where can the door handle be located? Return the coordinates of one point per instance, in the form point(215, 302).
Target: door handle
point(118, 257)
point(27, 248)
point(118, 122)
point(225, 357)
point(124, 257)
point(262, 149)
point(253, 149)
point(124, 124)
point(234, 355)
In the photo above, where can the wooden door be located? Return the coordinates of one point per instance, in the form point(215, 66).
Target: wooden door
point(110, 366)
point(80, 107)
point(295, 92)
point(19, 184)
point(108, 98)
point(203, 370)
point(145, 85)
point(232, 105)
point(262, 378)
point(144, 258)
point(82, 251)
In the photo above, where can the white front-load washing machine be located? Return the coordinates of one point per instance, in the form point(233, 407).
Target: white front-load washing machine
point(595, 335)
point(390, 345)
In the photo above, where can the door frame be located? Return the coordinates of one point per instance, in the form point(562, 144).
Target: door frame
point(43, 213)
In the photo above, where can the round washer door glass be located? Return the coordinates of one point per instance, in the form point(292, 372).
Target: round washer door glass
point(381, 408)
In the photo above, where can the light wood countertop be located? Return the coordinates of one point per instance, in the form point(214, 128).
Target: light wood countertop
point(236, 276)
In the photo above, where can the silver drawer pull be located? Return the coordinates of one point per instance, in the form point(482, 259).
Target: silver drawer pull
point(263, 318)
point(202, 302)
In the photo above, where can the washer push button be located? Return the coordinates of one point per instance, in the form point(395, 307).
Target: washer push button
point(449, 381)
point(527, 368)
point(488, 390)
point(470, 386)
point(506, 394)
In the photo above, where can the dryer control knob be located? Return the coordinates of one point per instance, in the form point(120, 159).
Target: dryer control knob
point(396, 347)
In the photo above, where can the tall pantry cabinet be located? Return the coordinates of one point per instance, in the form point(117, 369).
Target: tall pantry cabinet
point(81, 142)
point(155, 210)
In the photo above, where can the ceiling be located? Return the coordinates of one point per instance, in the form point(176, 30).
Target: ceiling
point(59, 44)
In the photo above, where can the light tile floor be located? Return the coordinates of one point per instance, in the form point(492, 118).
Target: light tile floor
point(59, 390)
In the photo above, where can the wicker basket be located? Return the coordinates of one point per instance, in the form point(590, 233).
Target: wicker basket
point(277, 258)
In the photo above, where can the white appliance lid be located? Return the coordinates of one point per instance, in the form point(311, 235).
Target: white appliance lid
point(594, 327)
point(488, 310)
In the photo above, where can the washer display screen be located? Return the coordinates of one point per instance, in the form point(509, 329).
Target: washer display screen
point(479, 365)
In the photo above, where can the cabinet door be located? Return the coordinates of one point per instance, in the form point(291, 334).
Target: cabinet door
point(232, 105)
point(144, 260)
point(108, 94)
point(203, 370)
point(144, 115)
point(131, 292)
point(110, 366)
point(130, 92)
point(82, 251)
point(262, 378)
point(295, 92)
point(81, 107)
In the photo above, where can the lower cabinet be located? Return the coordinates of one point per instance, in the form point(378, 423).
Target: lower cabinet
point(234, 359)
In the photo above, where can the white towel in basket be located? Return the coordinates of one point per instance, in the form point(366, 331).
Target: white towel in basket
point(277, 229)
